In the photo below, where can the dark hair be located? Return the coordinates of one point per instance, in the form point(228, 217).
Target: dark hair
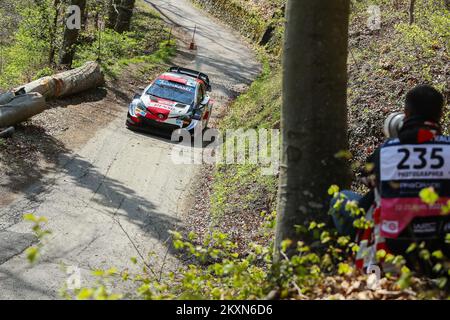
point(425, 102)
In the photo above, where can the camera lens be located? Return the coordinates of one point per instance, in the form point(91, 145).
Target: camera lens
point(394, 124)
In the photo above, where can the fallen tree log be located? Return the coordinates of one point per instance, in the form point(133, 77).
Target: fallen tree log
point(6, 97)
point(68, 83)
point(8, 132)
point(21, 108)
point(29, 100)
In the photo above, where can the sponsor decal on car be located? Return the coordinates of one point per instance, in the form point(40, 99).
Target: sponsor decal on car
point(171, 84)
point(426, 227)
point(162, 106)
point(391, 227)
point(447, 227)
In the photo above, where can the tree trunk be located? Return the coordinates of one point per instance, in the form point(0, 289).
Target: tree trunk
point(113, 12)
point(314, 116)
point(68, 83)
point(70, 37)
point(412, 5)
point(125, 8)
point(85, 18)
point(54, 28)
point(268, 34)
point(21, 108)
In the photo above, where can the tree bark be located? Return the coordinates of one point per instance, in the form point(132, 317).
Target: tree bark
point(412, 17)
point(125, 15)
point(21, 108)
point(268, 34)
point(54, 28)
point(70, 38)
point(314, 115)
point(113, 12)
point(68, 83)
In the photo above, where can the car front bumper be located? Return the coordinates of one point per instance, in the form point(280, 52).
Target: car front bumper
point(144, 124)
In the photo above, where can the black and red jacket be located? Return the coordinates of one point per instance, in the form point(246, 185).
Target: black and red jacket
point(418, 159)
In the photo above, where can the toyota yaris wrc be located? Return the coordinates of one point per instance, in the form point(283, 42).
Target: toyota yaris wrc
point(178, 99)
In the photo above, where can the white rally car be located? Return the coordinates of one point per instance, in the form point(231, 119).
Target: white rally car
point(177, 99)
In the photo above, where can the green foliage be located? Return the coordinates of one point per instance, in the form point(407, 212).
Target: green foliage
point(241, 187)
point(252, 19)
point(33, 253)
point(219, 271)
point(101, 290)
point(427, 38)
point(260, 106)
point(245, 18)
point(27, 54)
point(146, 44)
point(231, 180)
point(429, 196)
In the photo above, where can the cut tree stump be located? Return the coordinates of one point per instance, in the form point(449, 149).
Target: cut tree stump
point(21, 108)
point(68, 83)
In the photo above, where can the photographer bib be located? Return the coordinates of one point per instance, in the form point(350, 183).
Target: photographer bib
point(407, 169)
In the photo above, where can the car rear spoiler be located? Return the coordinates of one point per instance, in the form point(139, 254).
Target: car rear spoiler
point(194, 74)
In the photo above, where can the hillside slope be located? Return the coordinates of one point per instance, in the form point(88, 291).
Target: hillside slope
point(383, 65)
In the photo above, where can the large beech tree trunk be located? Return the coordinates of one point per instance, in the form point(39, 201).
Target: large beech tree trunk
point(70, 37)
point(314, 116)
point(21, 108)
point(68, 83)
point(125, 15)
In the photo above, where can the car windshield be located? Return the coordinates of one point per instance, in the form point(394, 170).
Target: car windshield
point(172, 91)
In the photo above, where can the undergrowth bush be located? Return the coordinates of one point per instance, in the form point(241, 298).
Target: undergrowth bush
point(214, 269)
point(26, 53)
point(25, 56)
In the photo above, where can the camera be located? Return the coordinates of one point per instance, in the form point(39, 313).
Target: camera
point(393, 124)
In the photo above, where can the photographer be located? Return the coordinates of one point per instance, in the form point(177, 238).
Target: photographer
point(416, 157)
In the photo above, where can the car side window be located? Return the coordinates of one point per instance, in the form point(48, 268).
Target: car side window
point(203, 90)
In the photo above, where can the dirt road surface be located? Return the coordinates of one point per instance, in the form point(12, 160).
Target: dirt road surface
point(117, 196)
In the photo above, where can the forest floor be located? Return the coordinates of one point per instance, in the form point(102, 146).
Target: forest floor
point(383, 65)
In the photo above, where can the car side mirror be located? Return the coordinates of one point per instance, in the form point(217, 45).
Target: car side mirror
point(137, 96)
point(205, 101)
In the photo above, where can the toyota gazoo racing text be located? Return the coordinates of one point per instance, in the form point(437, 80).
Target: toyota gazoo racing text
point(178, 99)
